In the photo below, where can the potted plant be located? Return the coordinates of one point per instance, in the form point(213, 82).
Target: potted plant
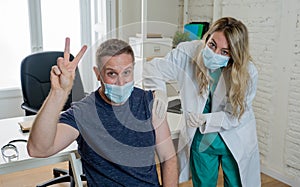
point(180, 37)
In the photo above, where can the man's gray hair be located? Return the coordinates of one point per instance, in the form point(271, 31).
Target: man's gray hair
point(113, 47)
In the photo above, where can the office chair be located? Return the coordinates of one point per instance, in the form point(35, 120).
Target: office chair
point(35, 83)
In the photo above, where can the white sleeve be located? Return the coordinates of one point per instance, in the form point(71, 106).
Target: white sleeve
point(161, 70)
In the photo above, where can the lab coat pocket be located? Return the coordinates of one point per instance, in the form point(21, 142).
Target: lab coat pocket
point(248, 137)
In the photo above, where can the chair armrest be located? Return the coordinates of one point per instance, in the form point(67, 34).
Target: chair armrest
point(28, 108)
point(76, 165)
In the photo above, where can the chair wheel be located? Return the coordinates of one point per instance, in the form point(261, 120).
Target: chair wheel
point(56, 173)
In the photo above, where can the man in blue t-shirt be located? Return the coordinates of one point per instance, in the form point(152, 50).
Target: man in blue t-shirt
point(116, 131)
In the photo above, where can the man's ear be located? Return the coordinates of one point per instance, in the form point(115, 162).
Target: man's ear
point(97, 73)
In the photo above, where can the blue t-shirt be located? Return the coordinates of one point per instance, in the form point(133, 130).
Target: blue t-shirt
point(116, 143)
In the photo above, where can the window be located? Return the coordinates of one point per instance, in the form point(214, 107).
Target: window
point(60, 19)
point(29, 26)
point(14, 41)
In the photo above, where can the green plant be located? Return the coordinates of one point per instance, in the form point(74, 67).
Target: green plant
point(180, 37)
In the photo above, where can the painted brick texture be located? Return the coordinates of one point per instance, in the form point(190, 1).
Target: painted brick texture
point(292, 156)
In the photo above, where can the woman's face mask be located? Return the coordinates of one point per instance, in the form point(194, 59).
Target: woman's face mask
point(118, 94)
point(212, 60)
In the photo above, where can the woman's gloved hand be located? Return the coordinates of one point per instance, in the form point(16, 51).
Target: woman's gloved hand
point(195, 120)
point(160, 104)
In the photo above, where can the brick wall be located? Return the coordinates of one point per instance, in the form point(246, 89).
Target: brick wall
point(292, 153)
point(200, 10)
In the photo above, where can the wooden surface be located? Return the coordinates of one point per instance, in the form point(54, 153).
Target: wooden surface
point(30, 178)
point(265, 179)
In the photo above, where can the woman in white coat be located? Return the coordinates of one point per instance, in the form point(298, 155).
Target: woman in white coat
point(217, 82)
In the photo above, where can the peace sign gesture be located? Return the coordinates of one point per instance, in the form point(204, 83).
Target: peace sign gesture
point(63, 74)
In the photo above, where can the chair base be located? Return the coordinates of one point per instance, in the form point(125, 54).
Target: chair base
point(58, 172)
point(60, 176)
point(61, 179)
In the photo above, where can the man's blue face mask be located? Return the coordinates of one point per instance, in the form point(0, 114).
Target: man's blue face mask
point(118, 94)
point(212, 60)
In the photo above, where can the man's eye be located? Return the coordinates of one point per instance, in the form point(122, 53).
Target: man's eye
point(111, 74)
point(128, 72)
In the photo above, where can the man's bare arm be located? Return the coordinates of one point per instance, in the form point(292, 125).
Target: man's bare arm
point(166, 152)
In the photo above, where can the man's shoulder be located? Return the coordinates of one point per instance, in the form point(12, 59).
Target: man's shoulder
point(86, 102)
point(141, 93)
point(140, 90)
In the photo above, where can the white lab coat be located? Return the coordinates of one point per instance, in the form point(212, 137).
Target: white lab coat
point(239, 135)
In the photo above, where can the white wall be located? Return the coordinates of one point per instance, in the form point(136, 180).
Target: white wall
point(10, 103)
point(162, 17)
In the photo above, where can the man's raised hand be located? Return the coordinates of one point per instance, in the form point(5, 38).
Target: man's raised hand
point(63, 74)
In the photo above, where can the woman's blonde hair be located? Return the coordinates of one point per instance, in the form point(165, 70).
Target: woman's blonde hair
point(236, 34)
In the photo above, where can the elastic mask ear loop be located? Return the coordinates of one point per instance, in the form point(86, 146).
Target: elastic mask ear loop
point(102, 83)
point(10, 152)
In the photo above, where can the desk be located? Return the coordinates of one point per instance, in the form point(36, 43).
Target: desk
point(174, 121)
point(10, 130)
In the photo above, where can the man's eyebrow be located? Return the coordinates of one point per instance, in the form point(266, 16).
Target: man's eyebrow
point(130, 67)
point(110, 69)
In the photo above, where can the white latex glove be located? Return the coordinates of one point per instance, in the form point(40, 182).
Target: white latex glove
point(195, 120)
point(160, 104)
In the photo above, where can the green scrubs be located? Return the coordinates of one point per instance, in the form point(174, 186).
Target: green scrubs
point(209, 151)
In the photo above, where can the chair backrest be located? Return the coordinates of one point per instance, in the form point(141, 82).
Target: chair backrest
point(35, 80)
